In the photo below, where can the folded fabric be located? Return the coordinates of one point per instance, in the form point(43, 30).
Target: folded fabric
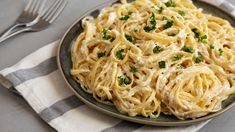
point(38, 80)
point(223, 5)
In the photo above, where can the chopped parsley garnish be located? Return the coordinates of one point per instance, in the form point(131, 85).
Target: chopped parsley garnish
point(101, 54)
point(170, 3)
point(120, 80)
point(124, 18)
point(220, 51)
point(164, 18)
point(149, 28)
point(133, 69)
point(130, 12)
point(212, 46)
point(106, 36)
point(157, 49)
point(130, 39)
point(162, 64)
point(160, 9)
point(203, 38)
point(199, 59)
point(124, 80)
point(127, 80)
point(153, 19)
point(187, 49)
point(152, 22)
point(198, 35)
point(168, 24)
point(177, 57)
point(172, 34)
point(182, 13)
point(119, 54)
point(196, 32)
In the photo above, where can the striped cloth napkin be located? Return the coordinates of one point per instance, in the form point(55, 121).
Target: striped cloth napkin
point(38, 80)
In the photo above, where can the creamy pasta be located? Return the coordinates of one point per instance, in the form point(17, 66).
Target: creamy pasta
point(156, 56)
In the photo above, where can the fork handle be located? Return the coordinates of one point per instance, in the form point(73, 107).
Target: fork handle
point(14, 33)
point(10, 29)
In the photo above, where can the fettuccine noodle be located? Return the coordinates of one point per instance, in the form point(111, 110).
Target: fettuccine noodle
point(156, 56)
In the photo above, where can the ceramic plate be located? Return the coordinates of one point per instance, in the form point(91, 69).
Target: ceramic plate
point(65, 64)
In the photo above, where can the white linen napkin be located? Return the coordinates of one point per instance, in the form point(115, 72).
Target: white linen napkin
point(38, 80)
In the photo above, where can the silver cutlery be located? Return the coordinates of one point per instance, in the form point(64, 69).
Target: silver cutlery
point(43, 20)
point(29, 14)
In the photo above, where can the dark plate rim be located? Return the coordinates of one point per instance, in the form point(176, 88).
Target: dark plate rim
point(126, 117)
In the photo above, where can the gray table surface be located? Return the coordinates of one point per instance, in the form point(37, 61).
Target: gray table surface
point(15, 114)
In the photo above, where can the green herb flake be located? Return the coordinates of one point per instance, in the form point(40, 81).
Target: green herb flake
point(130, 39)
point(187, 49)
point(164, 18)
point(160, 9)
point(220, 51)
point(101, 54)
point(199, 59)
point(124, 18)
point(198, 35)
point(133, 69)
point(212, 46)
point(168, 24)
point(157, 49)
point(120, 80)
point(127, 81)
point(170, 3)
point(124, 80)
point(152, 22)
point(182, 13)
point(119, 54)
point(172, 34)
point(162, 64)
point(177, 57)
point(106, 36)
point(196, 32)
point(149, 28)
point(203, 38)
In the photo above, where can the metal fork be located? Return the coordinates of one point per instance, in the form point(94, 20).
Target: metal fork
point(29, 14)
point(47, 16)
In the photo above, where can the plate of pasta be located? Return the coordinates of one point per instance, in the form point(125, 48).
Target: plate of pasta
point(156, 62)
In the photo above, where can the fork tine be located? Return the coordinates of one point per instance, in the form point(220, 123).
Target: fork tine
point(42, 7)
point(49, 9)
point(28, 5)
point(32, 7)
point(52, 13)
point(53, 18)
point(38, 3)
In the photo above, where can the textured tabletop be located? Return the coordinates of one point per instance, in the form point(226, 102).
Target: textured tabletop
point(15, 114)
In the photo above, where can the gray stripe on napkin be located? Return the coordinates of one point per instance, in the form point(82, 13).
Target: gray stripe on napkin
point(226, 6)
point(60, 108)
point(20, 76)
point(123, 126)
